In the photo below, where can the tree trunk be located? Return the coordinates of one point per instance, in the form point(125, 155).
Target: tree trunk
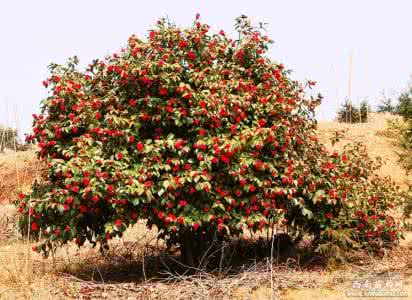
point(187, 250)
point(316, 233)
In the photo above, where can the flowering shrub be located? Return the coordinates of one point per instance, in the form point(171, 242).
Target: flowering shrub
point(199, 134)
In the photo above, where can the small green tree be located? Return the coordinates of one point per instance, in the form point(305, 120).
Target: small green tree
point(386, 106)
point(348, 113)
point(365, 109)
point(404, 107)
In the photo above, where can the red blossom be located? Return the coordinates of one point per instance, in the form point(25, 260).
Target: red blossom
point(132, 102)
point(195, 226)
point(182, 203)
point(34, 226)
point(140, 146)
point(191, 55)
point(110, 189)
point(163, 92)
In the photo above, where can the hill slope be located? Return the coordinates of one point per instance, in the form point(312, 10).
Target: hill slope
point(372, 134)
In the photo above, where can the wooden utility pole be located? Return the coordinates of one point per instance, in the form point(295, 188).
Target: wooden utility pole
point(360, 110)
point(350, 88)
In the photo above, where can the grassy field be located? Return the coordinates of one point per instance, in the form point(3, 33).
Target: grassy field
point(138, 266)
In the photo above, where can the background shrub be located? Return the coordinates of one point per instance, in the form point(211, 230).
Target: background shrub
point(348, 113)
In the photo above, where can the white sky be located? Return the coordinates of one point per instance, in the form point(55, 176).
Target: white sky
point(313, 38)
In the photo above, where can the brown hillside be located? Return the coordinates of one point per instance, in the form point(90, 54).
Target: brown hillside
point(372, 135)
point(17, 172)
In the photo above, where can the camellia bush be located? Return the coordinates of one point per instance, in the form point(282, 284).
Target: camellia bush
point(204, 137)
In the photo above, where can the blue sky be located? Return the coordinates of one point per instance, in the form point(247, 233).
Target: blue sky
point(313, 38)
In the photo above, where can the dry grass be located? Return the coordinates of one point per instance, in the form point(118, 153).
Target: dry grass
point(377, 144)
point(17, 172)
point(139, 267)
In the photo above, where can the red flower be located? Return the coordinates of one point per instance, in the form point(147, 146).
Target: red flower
point(83, 209)
point(69, 200)
point(110, 189)
point(181, 220)
point(202, 104)
point(328, 215)
point(225, 159)
point(34, 226)
point(179, 144)
point(148, 183)
point(252, 188)
point(85, 181)
point(191, 55)
point(118, 222)
point(98, 115)
point(183, 44)
point(95, 198)
point(132, 102)
point(195, 226)
point(140, 146)
point(163, 91)
point(182, 203)
point(21, 196)
point(119, 156)
point(214, 160)
point(262, 122)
